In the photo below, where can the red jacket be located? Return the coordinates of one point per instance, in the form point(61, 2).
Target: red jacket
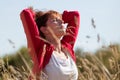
point(41, 54)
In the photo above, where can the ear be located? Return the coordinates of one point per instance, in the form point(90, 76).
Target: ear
point(44, 30)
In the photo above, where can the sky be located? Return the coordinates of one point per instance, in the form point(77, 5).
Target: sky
point(105, 13)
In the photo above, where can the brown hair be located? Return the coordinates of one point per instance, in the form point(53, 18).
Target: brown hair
point(42, 17)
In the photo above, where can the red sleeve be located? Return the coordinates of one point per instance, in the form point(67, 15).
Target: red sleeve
point(32, 34)
point(73, 20)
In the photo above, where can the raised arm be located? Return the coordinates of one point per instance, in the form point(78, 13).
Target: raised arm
point(73, 20)
point(30, 28)
point(32, 35)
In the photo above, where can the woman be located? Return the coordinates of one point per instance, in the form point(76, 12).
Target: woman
point(54, 44)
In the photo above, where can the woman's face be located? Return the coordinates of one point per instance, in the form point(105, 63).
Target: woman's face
point(55, 23)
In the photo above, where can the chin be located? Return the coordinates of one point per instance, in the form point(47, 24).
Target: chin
point(59, 36)
point(60, 33)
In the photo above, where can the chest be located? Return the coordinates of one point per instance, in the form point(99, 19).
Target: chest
point(61, 68)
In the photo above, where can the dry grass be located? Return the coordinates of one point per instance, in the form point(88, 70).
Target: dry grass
point(8, 72)
point(104, 65)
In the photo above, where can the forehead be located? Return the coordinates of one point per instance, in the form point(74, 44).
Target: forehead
point(57, 16)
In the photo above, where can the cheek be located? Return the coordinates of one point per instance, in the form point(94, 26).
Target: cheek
point(50, 24)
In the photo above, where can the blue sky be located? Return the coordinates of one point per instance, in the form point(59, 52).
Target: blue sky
point(106, 14)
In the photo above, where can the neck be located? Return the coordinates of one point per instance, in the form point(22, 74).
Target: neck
point(54, 41)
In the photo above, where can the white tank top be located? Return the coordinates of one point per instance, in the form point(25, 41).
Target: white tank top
point(61, 69)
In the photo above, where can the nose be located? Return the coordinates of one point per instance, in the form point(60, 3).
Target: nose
point(62, 26)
